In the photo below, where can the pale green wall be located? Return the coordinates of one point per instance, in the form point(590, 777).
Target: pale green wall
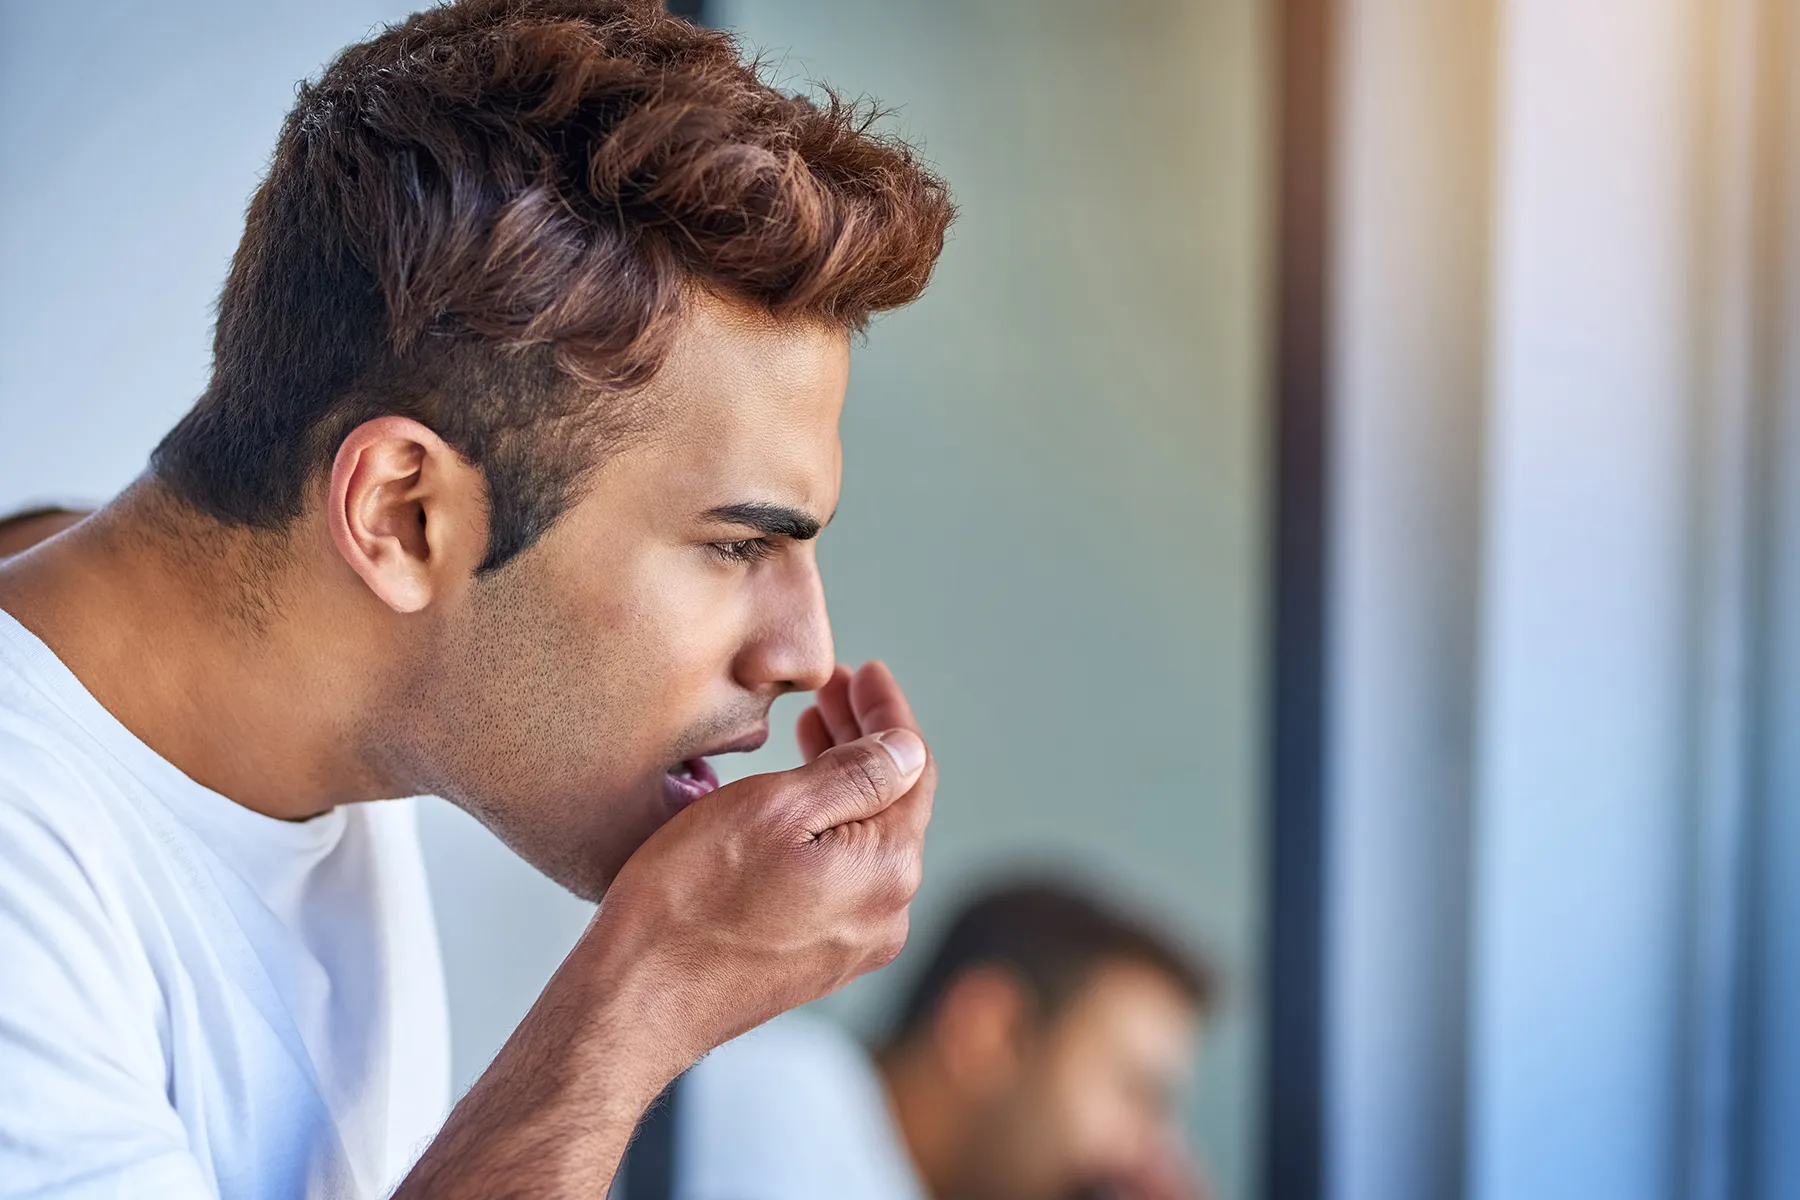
point(1052, 519)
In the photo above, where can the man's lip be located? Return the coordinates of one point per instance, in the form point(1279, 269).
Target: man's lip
point(701, 779)
point(684, 790)
point(743, 745)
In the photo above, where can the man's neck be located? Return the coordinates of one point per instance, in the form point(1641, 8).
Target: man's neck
point(206, 647)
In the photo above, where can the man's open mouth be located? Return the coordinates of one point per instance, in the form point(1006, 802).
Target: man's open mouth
point(691, 779)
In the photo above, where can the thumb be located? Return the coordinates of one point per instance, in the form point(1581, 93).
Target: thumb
point(852, 782)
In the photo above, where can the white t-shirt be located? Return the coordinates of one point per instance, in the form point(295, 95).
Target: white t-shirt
point(197, 1000)
point(793, 1110)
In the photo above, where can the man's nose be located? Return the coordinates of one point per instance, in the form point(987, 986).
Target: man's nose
point(792, 648)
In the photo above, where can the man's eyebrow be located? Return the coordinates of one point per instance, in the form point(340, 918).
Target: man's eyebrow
point(772, 520)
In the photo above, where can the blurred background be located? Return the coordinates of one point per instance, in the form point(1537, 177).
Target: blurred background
point(1340, 497)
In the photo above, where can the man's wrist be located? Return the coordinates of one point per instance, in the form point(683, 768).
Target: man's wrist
point(627, 1052)
point(640, 1031)
point(554, 1111)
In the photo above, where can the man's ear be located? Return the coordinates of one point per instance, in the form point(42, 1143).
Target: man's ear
point(406, 512)
point(982, 1028)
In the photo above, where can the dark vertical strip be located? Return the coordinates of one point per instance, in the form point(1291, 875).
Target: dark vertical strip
point(1764, 1050)
point(1294, 1135)
point(692, 10)
point(648, 1169)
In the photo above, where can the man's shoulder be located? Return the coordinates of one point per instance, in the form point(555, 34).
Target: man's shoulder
point(41, 765)
point(54, 798)
point(49, 746)
point(61, 850)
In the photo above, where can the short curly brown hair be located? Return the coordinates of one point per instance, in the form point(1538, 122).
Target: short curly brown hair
point(498, 209)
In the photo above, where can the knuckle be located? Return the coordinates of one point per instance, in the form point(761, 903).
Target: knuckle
point(786, 802)
point(912, 872)
point(892, 941)
point(867, 773)
point(784, 818)
point(899, 880)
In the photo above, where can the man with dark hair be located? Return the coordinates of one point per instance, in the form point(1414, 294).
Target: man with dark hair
point(1040, 1056)
point(522, 420)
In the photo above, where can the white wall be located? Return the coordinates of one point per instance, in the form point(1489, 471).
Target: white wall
point(1565, 648)
point(130, 139)
point(1411, 305)
point(1514, 392)
point(1580, 818)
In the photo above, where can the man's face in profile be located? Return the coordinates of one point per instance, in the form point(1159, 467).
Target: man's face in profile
point(571, 697)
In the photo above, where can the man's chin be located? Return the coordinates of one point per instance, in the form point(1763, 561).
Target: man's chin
point(594, 858)
point(586, 876)
point(584, 861)
point(586, 848)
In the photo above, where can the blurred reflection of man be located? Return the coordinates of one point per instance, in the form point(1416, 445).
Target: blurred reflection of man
point(1041, 1056)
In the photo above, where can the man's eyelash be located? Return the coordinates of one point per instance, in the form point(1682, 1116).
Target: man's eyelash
point(746, 551)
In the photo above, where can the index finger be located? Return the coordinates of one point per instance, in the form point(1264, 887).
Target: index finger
point(877, 701)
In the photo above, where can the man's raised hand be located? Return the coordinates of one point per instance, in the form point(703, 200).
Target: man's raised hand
point(779, 888)
point(758, 897)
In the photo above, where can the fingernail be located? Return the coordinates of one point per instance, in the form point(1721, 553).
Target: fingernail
point(906, 747)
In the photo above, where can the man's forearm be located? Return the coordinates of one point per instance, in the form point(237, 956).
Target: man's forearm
point(553, 1114)
point(530, 1129)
